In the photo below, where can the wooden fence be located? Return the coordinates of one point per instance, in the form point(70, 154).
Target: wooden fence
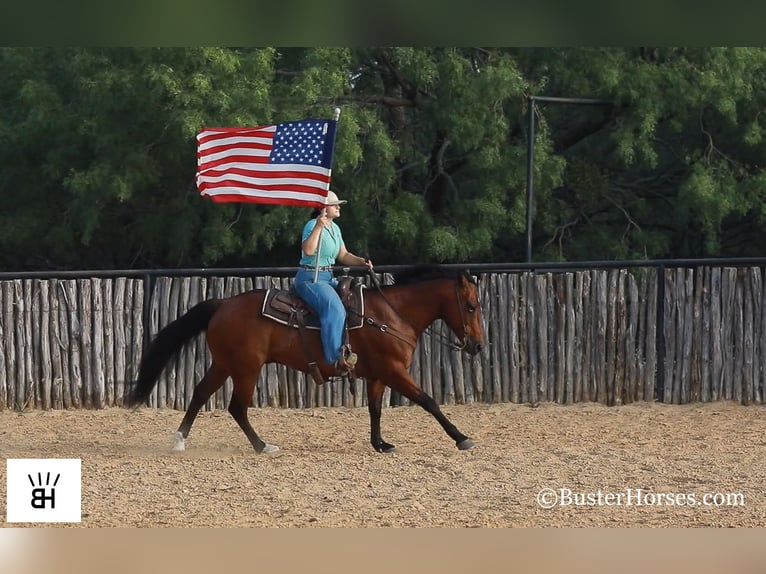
point(609, 335)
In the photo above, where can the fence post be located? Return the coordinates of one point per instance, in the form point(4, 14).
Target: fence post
point(659, 386)
point(148, 284)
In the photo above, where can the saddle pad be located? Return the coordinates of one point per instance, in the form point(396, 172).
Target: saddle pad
point(285, 307)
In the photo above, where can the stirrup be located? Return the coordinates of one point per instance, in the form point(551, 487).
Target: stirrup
point(340, 367)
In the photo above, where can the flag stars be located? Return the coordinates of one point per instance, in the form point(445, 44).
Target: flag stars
point(299, 142)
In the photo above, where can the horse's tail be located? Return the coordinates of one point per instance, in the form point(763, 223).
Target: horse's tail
point(166, 344)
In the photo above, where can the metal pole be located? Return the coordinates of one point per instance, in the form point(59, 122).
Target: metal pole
point(321, 233)
point(583, 101)
point(530, 169)
point(531, 150)
point(316, 253)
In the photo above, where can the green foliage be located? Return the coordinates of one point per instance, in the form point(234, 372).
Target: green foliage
point(98, 152)
point(405, 218)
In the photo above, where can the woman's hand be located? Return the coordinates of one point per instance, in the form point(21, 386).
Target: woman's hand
point(322, 219)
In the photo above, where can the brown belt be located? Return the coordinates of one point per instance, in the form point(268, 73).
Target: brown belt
point(325, 268)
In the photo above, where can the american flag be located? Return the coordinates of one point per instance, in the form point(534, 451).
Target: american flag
point(288, 163)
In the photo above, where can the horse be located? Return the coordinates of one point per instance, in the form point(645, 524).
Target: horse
point(241, 340)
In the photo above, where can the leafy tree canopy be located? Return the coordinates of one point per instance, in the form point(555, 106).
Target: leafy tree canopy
point(98, 153)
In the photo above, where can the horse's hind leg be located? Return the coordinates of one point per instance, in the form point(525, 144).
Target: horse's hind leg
point(402, 382)
point(210, 383)
point(375, 390)
point(240, 400)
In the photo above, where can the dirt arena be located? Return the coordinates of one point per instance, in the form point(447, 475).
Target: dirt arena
point(327, 475)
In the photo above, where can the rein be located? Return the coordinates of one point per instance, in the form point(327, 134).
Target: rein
point(386, 329)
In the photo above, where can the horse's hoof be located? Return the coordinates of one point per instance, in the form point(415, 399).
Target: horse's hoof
point(385, 448)
point(179, 444)
point(270, 449)
point(466, 444)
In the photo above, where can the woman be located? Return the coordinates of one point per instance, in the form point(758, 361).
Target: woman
point(321, 295)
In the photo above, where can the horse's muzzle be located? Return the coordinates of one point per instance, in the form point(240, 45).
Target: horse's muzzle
point(472, 347)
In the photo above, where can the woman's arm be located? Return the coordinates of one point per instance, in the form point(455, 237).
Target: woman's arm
point(345, 257)
point(310, 244)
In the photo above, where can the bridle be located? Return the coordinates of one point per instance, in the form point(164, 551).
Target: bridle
point(460, 306)
point(446, 340)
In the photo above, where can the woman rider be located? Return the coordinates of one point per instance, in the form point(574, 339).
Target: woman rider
point(322, 295)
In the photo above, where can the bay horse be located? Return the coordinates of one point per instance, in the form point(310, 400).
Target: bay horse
point(242, 340)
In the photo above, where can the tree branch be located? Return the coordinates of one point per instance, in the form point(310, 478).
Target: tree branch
point(390, 101)
point(559, 233)
point(437, 164)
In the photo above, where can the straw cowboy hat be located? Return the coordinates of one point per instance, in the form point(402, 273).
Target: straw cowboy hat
point(332, 199)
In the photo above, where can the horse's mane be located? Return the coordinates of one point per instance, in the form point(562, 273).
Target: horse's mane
point(417, 273)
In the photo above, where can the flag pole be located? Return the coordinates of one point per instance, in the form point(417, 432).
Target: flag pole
point(319, 244)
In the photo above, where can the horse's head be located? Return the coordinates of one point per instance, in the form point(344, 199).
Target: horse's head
point(454, 299)
point(464, 315)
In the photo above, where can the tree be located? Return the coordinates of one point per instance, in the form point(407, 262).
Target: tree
point(99, 153)
point(672, 169)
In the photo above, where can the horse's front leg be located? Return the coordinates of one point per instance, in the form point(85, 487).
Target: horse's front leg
point(402, 382)
point(241, 396)
point(375, 390)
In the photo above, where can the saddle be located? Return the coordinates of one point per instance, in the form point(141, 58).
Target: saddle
point(286, 307)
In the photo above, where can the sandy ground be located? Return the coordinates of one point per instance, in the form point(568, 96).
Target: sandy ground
point(622, 465)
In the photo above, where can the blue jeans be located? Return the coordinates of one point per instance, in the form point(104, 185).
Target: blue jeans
point(324, 299)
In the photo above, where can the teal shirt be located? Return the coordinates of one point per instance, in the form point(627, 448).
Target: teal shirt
point(332, 241)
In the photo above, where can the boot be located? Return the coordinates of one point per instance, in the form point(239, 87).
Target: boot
point(346, 362)
point(349, 357)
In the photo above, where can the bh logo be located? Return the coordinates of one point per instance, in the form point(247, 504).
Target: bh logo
point(41, 495)
point(44, 490)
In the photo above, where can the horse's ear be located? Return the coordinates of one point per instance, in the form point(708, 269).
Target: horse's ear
point(469, 278)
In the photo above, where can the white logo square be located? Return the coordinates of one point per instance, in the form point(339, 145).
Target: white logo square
point(43, 489)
